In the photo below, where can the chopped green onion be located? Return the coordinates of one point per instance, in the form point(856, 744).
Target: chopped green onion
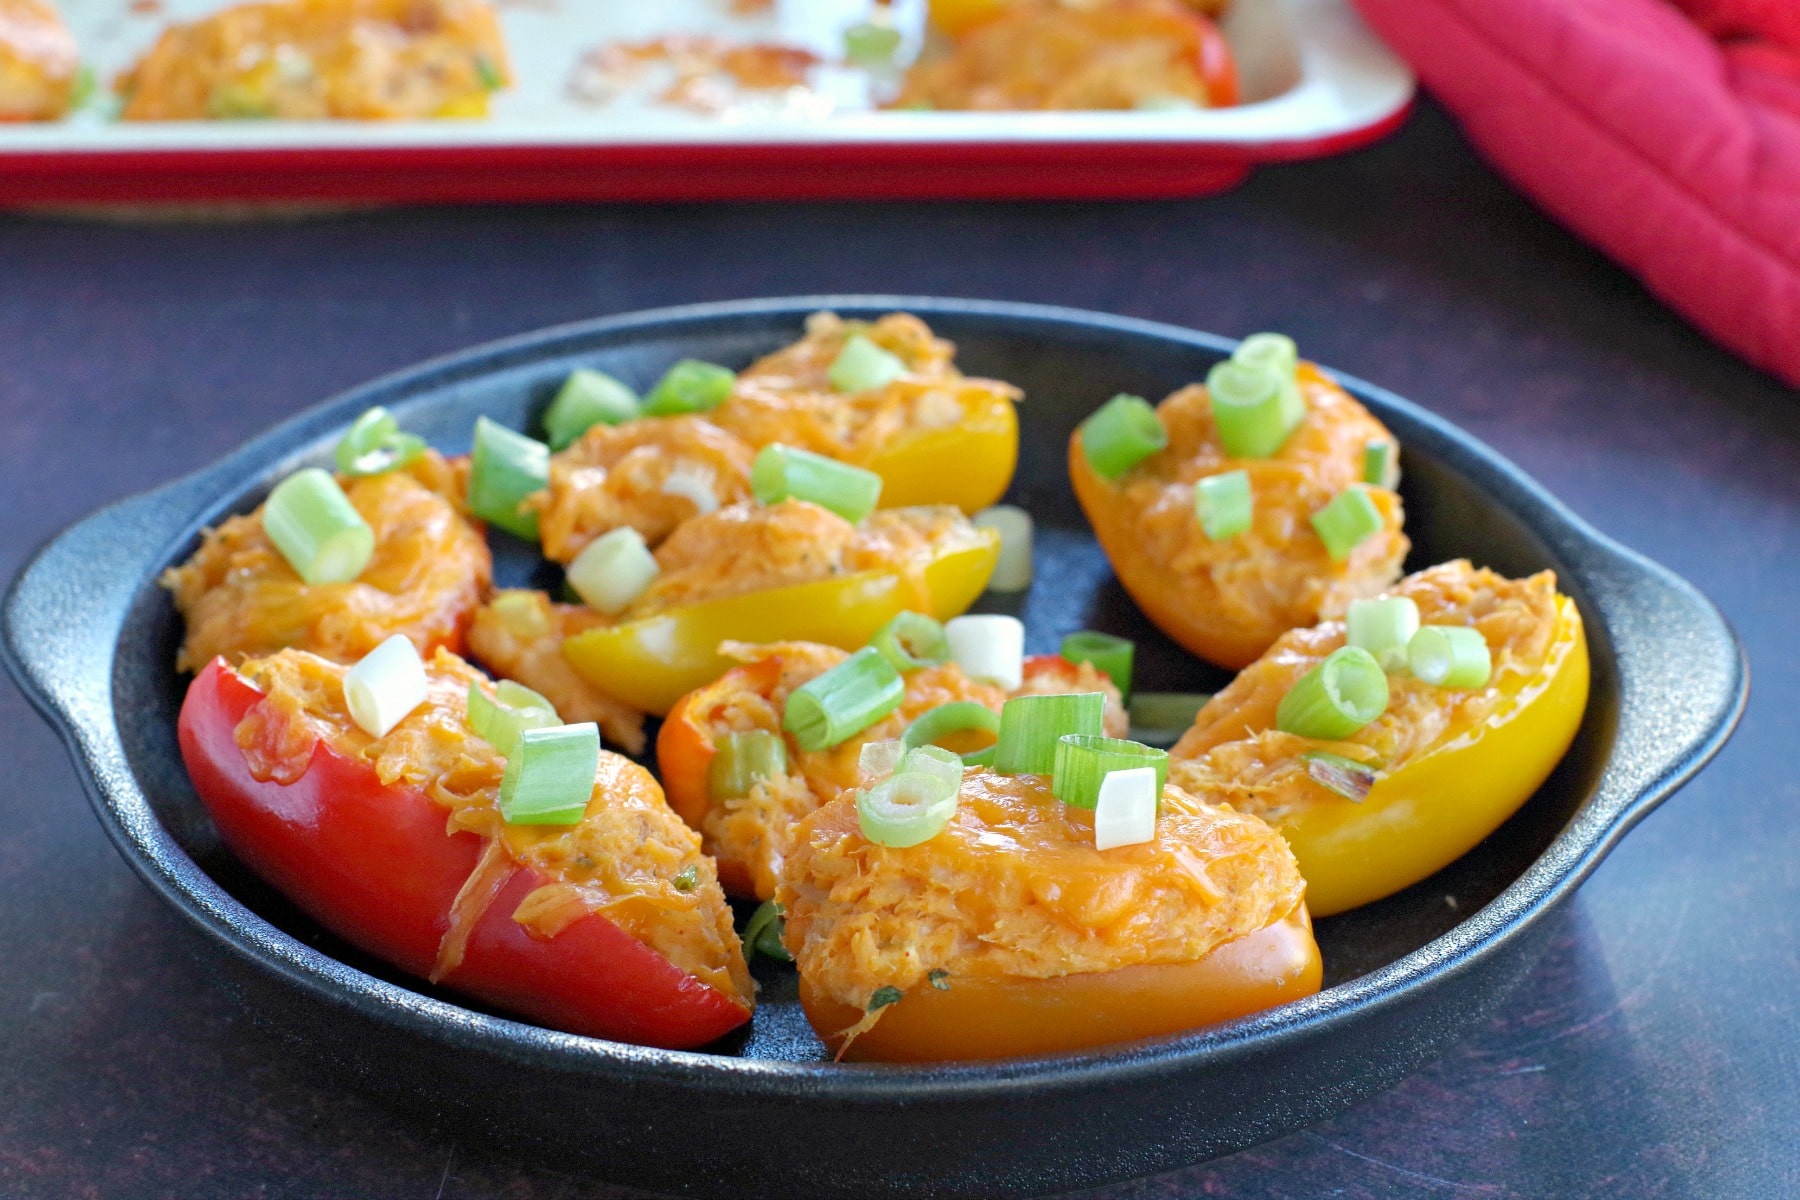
point(690, 386)
point(743, 760)
point(1125, 807)
point(1268, 350)
point(1383, 627)
point(1349, 520)
point(317, 529)
point(912, 640)
point(934, 761)
point(613, 570)
point(688, 879)
point(1120, 434)
point(1160, 718)
point(958, 716)
point(1345, 776)
point(939, 979)
point(375, 444)
point(550, 777)
point(906, 808)
point(879, 758)
point(512, 709)
point(1013, 572)
point(1336, 698)
point(869, 45)
point(783, 472)
point(492, 79)
point(1109, 654)
point(388, 683)
point(844, 701)
point(1224, 504)
point(1081, 763)
point(1031, 726)
point(988, 646)
point(504, 468)
point(1381, 463)
point(1255, 408)
point(881, 997)
point(1452, 656)
point(696, 484)
point(587, 398)
point(762, 933)
point(862, 366)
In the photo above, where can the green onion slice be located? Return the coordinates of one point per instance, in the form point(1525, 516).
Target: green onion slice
point(1345, 776)
point(375, 444)
point(613, 570)
point(844, 701)
point(1160, 718)
point(1120, 434)
point(587, 398)
point(862, 366)
point(1224, 504)
point(504, 468)
point(387, 684)
point(743, 760)
point(1383, 627)
point(783, 472)
point(1030, 727)
point(876, 759)
point(690, 386)
point(317, 529)
point(906, 808)
point(939, 979)
point(762, 933)
point(1125, 808)
point(1109, 654)
point(1013, 571)
point(1452, 656)
point(1381, 463)
point(1336, 698)
point(912, 640)
point(1255, 408)
point(958, 716)
point(1349, 520)
point(687, 879)
point(1271, 351)
point(1081, 762)
point(988, 646)
point(870, 45)
point(935, 761)
point(881, 997)
point(513, 708)
point(550, 777)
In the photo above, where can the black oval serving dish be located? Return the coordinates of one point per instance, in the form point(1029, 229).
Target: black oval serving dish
point(92, 639)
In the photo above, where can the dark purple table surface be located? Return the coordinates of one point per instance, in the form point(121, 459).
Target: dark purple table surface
point(1656, 1051)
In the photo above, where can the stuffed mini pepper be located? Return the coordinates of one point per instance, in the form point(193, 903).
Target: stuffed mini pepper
point(1239, 510)
point(1059, 899)
point(466, 835)
point(1386, 745)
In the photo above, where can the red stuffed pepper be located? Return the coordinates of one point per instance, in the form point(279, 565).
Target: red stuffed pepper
point(613, 926)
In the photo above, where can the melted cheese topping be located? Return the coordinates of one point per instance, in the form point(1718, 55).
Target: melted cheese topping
point(787, 396)
point(614, 475)
point(1114, 55)
point(756, 830)
point(312, 59)
point(241, 599)
point(38, 61)
point(1014, 887)
point(752, 548)
point(1234, 752)
point(519, 635)
point(1277, 572)
point(622, 860)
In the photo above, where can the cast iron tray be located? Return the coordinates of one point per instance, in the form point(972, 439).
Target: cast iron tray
point(92, 639)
